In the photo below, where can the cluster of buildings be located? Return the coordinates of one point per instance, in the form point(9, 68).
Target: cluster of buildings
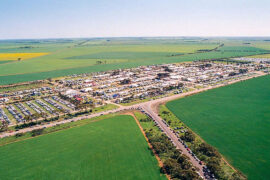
point(127, 85)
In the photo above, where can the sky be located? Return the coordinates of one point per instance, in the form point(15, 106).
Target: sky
point(24, 19)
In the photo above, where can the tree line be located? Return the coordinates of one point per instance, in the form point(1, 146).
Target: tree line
point(175, 164)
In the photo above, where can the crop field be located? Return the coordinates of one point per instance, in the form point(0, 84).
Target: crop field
point(112, 148)
point(263, 45)
point(236, 120)
point(3, 62)
point(21, 56)
point(260, 56)
point(75, 56)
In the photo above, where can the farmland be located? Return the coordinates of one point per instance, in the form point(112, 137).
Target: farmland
point(260, 56)
point(19, 56)
point(234, 119)
point(75, 56)
point(98, 150)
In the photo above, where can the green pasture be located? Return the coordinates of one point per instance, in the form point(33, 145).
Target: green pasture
point(77, 56)
point(236, 120)
point(261, 56)
point(6, 61)
point(113, 148)
point(124, 55)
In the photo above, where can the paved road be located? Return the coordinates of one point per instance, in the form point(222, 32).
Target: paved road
point(148, 109)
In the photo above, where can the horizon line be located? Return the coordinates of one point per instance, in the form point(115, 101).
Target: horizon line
point(112, 37)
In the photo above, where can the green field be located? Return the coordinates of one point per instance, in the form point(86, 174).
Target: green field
point(236, 120)
point(113, 148)
point(75, 56)
point(260, 56)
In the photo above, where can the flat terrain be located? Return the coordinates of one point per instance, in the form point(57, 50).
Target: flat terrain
point(236, 120)
point(260, 56)
point(73, 56)
point(113, 148)
point(19, 56)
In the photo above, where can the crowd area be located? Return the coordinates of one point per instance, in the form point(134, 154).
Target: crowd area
point(126, 85)
point(22, 112)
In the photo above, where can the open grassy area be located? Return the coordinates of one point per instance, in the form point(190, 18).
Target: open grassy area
point(75, 56)
point(112, 148)
point(236, 120)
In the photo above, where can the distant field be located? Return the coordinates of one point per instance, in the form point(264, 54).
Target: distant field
point(21, 56)
point(74, 56)
point(2, 62)
point(236, 120)
point(260, 56)
point(263, 45)
point(113, 148)
point(125, 55)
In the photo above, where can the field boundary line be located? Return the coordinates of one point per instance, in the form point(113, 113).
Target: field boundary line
point(160, 163)
point(223, 158)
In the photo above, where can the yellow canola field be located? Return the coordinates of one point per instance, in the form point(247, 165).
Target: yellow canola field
point(19, 56)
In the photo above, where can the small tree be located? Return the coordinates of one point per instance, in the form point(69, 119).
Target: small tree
point(37, 132)
point(4, 126)
point(165, 112)
point(188, 136)
point(98, 62)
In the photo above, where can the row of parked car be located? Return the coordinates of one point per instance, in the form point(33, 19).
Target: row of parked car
point(23, 109)
point(18, 116)
point(46, 106)
point(180, 140)
point(68, 104)
point(165, 123)
point(3, 116)
point(207, 173)
point(56, 105)
point(148, 115)
point(35, 107)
